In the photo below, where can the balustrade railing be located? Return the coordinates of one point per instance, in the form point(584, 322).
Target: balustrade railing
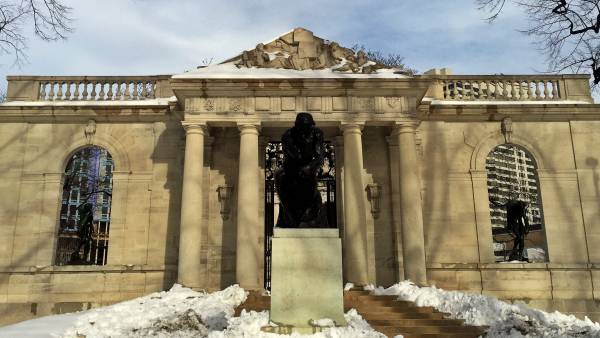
point(88, 88)
point(97, 90)
point(502, 88)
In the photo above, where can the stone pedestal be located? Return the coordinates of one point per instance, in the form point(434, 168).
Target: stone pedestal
point(306, 277)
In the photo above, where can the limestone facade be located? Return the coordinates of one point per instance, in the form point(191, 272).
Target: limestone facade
point(189, 180)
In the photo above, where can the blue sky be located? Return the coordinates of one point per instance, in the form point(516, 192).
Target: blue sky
point(131, 37)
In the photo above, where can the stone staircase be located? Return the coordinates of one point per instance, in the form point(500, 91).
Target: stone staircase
point(390, 316)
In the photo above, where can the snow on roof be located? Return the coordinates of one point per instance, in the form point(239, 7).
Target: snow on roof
point(435, 102)
point(230, 71)
point(163, 101)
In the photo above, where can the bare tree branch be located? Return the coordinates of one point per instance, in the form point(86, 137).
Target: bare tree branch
point(50, 20)
point(392, 60)
point(567, 32)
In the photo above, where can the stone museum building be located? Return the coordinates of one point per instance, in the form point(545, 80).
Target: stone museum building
point(114, 187)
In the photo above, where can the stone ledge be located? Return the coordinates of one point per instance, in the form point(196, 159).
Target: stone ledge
point(87, 268)
point(305, 233)
point(512, 266)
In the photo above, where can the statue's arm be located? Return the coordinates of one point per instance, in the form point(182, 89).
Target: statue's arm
point(525, 219)
point(290, 151)
point(497, 203)
point(319, 150)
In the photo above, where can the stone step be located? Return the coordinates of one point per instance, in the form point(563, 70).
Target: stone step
point(390, 309)
point(368, 316)
point(389, 316)
point(428, 329)
point(436, 335)
point(415, 322)
point(388, 302)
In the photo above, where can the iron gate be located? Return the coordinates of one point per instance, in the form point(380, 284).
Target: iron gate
point(326, 185)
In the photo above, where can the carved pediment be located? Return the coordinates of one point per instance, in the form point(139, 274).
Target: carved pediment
point(300, 50)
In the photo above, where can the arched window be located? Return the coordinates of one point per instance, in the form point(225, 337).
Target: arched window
point(513, 188)
point(85, 208)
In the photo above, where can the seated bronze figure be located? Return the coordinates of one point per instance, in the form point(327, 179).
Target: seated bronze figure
point(296, 181)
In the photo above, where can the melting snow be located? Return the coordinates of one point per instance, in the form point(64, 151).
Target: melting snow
point(504, 319)
point(181, 312)
point(230, 71)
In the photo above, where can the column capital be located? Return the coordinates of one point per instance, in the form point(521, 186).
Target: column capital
point(249, 128)
point(348, 127)
point(402, 127)
point(194, 127)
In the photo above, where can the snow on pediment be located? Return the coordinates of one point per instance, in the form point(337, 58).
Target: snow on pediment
point(299, 49)
point(297, 54)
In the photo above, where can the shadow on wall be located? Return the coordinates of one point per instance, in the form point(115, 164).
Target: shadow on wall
point(169, 150)
point(436, 195)
point(592, 162)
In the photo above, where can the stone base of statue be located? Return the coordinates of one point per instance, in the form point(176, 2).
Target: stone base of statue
point(306, 278)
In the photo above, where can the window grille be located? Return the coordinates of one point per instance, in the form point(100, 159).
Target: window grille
point(87, 180)
point(511, 175)
point(326, 185)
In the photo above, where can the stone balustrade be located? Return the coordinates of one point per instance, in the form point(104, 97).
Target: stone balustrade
point(87, 88)
point(510, 87)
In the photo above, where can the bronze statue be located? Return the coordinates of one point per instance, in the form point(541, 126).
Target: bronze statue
point(517, 223)
point(296, 180)
point(84, 232)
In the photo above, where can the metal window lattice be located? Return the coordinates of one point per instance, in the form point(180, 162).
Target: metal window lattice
point(326, 185)
point(511, 174)
point(87, 179)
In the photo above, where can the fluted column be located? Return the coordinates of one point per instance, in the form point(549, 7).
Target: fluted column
point(189, 272)
point(411, 215)
point(249, 248)
point(355, 236)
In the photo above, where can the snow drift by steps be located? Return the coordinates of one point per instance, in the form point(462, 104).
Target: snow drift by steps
point(177, 313)
point(181, 312)
point(504, 319)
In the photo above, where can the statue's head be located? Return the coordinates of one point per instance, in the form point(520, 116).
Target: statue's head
point(87, 207)
point(304, 121)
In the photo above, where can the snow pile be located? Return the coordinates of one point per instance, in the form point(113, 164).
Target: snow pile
point(504, 319)
point(230, 71)
point(248, 324)
point(179, 312)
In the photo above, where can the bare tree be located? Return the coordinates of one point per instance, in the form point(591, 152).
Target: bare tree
point(50, 20)
point(566, 31)
point(392, 60)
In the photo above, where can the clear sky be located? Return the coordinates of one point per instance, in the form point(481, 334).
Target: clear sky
point(131, 37)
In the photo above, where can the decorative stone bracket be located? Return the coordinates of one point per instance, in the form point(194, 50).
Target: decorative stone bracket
point(374, 196)
point(90, 131)
point(224, 193)
point(506, 129)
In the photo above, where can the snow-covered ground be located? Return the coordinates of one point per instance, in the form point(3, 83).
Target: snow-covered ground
point(181, 312)
point(504, 319)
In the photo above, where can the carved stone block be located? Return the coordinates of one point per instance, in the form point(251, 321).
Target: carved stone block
point(288, 103)
point(236, 104)
point(263, 103)
point(340, 103)
point(314, 103)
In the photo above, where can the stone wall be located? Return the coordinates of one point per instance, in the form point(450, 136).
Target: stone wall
point(458, 228)
point(143, 239)
point(32, 292)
